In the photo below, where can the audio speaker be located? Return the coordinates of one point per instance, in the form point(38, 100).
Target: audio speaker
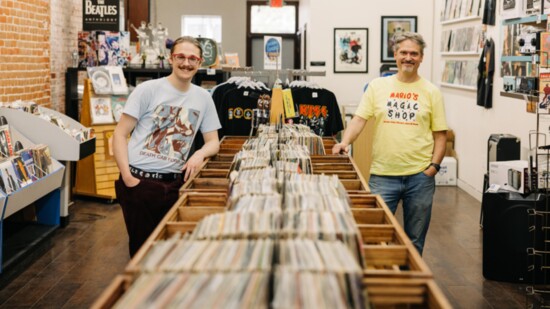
point(510, 228)
point(502, 147)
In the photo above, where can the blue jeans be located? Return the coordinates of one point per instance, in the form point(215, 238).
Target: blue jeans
point(417, 192)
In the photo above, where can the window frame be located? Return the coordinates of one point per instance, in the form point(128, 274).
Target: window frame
point(250, 35)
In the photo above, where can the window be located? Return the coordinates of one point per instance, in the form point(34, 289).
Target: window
point(202, 25)
point(265, 19)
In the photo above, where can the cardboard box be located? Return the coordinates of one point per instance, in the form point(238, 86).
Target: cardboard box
point(510, 175)
point(447, 175)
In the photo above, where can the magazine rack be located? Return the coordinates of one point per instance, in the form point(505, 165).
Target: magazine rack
point(96, 174)
point(62, 146)
point(45, 193)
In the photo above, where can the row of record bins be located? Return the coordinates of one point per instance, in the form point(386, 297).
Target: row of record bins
point(393, 276)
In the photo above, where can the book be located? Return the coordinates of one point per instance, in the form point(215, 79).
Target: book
point(118, 82)
point(21, 173)
point(9, 178)
point(544, 49)
point(87, 56)
point(232, 59)
point(544, 92)
point(6, 147)
point(117, 106)
point(28, 162)
point(101, 110)
point(42, 160)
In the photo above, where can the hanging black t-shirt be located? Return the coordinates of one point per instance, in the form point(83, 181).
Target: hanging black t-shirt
point(489, 12)
point(486, 71)
point(236, 110)
point(318, 108)
point(219, 92)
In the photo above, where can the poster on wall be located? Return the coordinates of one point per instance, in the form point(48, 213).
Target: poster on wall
point(350, 50)
point(273, 46)
point(393, 26)
point(100, 15)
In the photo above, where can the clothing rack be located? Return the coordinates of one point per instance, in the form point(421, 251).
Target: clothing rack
point(271, 75)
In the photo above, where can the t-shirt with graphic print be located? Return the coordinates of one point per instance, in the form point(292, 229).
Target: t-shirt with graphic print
point(168, 121)
point(236, 110)
point(405, 116)
point(318, 109)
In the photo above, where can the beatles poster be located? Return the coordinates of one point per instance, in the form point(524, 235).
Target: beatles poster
point(100, 15)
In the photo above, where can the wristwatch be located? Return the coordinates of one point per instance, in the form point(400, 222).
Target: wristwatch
point(437, 166)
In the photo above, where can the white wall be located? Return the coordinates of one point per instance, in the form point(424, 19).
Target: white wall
point(474, 124)
point(233, 14)
point(325, 15)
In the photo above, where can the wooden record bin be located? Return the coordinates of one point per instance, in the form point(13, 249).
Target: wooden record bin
point(394, 275)
point(391, 293)
point(382, 293)
point(189, 209)
point(387, 250)
point(96, 174)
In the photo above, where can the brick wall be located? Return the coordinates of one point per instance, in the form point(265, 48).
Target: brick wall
point(37, 38)
point(66, 21)
point(25, 51)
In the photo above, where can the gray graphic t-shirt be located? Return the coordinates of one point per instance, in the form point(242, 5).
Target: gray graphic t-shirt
point(168, 121)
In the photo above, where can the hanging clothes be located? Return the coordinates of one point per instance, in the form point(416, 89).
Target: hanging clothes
point(236, 108)
point(318, 109)
point(489, 12)
point(486, 72)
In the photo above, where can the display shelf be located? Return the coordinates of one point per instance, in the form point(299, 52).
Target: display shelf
point(464, 53)
point(516, 58)
point(45, 194)
point(461, 87)
point(525, 20)
point(96, 174)
point(28, 194)
point(517, 95)
point(63, 146)
point(460, 20)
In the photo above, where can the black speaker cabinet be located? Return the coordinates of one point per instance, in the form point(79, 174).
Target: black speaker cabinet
point(502, 147)
point(510, 227)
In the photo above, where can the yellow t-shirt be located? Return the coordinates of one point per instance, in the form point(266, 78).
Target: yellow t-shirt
point(405, 115)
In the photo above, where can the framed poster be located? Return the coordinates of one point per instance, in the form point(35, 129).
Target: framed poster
point(391, 27)
point(351, 50)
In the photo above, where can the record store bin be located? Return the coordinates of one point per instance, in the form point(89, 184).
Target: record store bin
point(391, 272)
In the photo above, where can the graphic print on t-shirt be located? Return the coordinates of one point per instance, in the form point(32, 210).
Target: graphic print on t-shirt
point(172, 133)
point(314, 116)
point(402, 107)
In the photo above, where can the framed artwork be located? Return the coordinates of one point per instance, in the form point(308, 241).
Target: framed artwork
point(351, 50)
point(391, 27)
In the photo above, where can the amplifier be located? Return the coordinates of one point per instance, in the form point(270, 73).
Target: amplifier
point(502, 147)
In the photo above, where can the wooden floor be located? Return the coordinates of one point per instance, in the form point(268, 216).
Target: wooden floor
point(86, 255)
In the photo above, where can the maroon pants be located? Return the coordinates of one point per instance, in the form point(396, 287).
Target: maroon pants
point(144, 206)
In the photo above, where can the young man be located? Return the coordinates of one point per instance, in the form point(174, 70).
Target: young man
point(163, 116)
point(409, 137)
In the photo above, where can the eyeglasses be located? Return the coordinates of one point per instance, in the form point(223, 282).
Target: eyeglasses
point(192, 60)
